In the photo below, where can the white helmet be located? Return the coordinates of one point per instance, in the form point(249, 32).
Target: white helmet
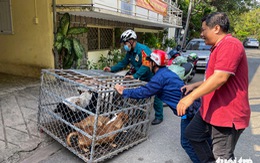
point(127, 35)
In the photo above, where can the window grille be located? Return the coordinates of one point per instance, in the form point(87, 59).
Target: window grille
point(99, 38)
point(92, 38)
point(106, 38)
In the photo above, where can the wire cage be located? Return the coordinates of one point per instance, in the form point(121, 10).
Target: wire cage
point(82, 111)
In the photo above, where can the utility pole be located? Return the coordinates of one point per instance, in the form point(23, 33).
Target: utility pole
point(187, 25)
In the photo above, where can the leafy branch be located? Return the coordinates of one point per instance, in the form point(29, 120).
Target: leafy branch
point(68, 48)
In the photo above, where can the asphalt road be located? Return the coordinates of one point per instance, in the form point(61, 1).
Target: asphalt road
point(163, 145)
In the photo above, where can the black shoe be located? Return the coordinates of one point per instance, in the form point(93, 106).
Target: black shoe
point(156, 121)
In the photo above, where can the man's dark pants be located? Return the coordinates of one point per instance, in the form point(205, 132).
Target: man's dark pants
point(224, 140)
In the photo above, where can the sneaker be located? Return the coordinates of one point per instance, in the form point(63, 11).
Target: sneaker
point(156, 121)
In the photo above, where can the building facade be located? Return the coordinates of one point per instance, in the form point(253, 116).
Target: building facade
point(27, 30)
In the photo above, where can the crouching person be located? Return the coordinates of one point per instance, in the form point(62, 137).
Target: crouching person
point(167, 86)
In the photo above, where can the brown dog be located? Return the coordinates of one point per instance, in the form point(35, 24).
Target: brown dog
point(104, 127)
point(90, 120)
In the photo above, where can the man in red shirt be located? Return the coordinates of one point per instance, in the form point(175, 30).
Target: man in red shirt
point(225, 110)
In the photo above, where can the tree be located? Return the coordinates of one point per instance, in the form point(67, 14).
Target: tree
point(196, 9)
point(200, 8)
point(248, 25)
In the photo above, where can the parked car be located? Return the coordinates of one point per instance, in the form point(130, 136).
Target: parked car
point(251, 42)
point(202, 50)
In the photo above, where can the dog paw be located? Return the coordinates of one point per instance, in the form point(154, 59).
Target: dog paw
point(113, 145)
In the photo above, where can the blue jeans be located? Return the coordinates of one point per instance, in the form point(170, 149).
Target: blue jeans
point(185, 142)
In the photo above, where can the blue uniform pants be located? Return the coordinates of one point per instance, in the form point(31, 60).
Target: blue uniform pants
point(158, 108)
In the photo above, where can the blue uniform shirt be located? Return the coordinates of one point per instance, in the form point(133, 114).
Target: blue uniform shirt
point(135, 58)
point(165, 84)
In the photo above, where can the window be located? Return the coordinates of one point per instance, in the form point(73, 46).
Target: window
point(100, 38)
point(92, 38)
point(5, 17)
point(106, 38)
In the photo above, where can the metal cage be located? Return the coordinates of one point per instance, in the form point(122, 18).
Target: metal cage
point(82, 111)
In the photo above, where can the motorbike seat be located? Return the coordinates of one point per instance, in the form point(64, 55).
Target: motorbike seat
point(187, 66)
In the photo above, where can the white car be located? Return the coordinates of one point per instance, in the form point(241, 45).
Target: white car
point(251, 42)
point(199, 47)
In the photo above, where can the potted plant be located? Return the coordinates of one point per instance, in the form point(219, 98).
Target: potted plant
point(68, 50)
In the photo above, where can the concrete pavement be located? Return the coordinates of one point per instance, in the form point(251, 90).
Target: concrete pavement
point(19, 135)
point(20, 140)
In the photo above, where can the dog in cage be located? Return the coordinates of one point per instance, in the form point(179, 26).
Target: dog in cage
point(85, 99)
point(105, 125)
point(88, 101)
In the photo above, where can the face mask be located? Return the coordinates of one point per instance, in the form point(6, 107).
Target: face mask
point(126, 48)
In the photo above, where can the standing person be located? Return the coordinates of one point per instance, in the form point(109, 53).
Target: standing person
point(135, 54)
point(225, 110)
point(167, 86)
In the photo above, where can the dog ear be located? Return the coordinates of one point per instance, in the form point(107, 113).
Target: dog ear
point(80, 91)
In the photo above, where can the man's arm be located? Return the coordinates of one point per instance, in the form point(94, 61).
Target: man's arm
point(120, 65)
point(148, 90)
point(191, 87)
point(212, 83)
point(141, 72)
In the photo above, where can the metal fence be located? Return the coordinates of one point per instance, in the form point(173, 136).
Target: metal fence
point(83, 112)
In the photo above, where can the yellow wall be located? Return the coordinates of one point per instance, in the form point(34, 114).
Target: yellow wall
point(93, 56)
point(29, 48)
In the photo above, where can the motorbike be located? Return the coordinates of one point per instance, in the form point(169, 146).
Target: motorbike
point(184, 67)
point(172, 55)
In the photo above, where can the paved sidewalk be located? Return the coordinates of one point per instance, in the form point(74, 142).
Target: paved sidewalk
point(19, 135)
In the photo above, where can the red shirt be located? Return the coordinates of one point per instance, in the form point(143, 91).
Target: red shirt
point(228, 105)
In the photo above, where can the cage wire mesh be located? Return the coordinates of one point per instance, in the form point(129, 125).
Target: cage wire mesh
point(82, 111)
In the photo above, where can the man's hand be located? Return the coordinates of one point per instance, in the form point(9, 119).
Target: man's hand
point(108, 69)
point(187, 89)
point(129, 77)
point(183, 104)
point(190, 87)
point(119, 88)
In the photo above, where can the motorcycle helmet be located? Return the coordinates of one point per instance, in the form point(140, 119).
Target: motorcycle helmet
point(160, 57)
point(128, 35)
point(173, 54)
point(192, 57)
